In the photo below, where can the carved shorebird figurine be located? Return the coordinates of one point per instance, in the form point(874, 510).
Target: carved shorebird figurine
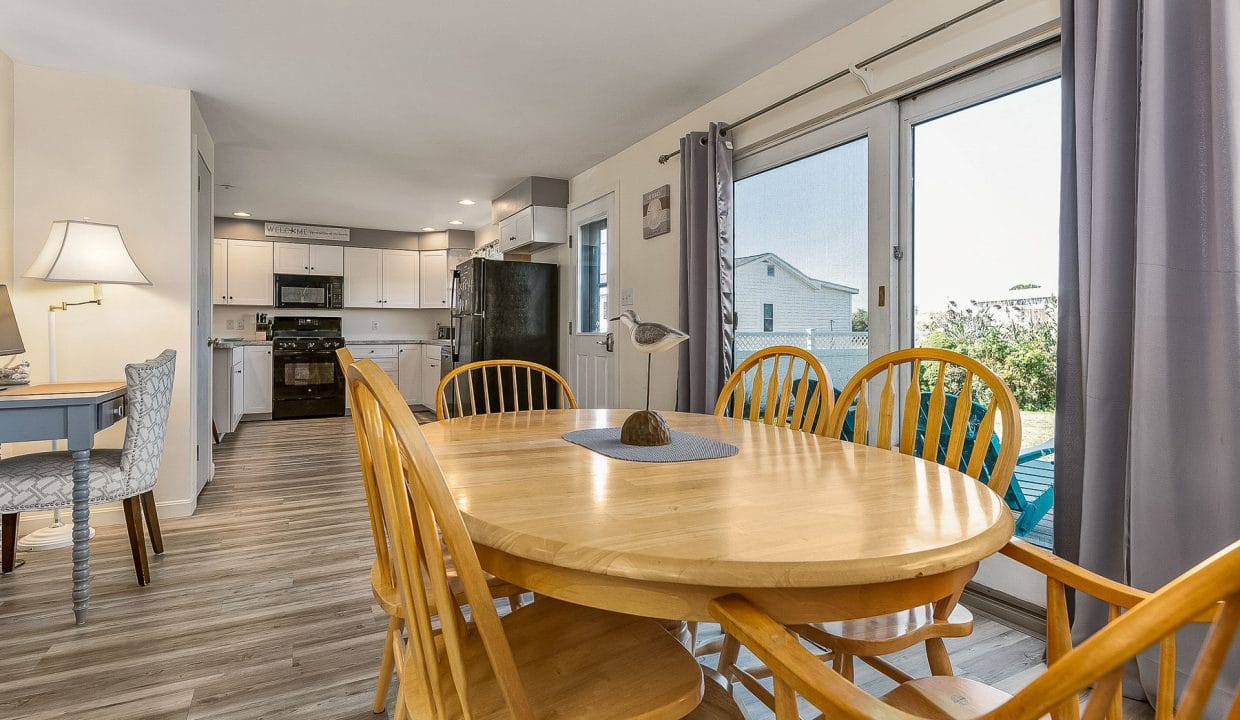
point(650, 338)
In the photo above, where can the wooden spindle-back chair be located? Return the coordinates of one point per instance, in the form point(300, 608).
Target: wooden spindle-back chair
point(382, 582)
point(1209, 593)
point(779, 385)
point(491, 386)
point(951, 374)
point(574, 661)
point(939, 425)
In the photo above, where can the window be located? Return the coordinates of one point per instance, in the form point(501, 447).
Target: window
point(803, 242)
point(592, 283)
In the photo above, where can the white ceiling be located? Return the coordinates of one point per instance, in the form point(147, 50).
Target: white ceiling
point(384, 113)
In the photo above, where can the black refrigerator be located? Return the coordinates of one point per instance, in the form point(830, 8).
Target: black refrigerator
point(504, 311)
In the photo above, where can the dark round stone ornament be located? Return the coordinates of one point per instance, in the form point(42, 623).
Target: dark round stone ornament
point(646, 428)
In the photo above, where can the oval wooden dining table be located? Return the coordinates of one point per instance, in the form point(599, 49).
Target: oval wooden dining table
point(810, 528)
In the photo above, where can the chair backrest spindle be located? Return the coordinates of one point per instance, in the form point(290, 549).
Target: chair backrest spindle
point(779, 385)
point(499, 389)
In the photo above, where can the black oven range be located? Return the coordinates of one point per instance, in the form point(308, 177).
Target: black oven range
point(307, 380)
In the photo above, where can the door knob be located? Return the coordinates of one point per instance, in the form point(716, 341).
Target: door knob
point(609, 342)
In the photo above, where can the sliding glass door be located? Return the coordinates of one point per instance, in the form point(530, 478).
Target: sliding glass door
point(980, 219)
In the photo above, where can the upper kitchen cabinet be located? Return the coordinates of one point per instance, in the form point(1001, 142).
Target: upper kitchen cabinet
point(250, 267)
point(363, 277)
point(219, 271)
point(302, 259)
point(434, 279)
point(375, 278)
point(326, 260)
point(401, 276)
point(292, 258)
point(534, 228)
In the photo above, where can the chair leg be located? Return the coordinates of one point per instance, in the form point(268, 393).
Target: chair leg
point(727, 657)
point(137, 543)
point(936, 653)
point(8, 543)
point(152, 521)
point(842, 663)
point(386, 665)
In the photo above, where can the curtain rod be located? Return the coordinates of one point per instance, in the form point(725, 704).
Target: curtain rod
point(849, 70)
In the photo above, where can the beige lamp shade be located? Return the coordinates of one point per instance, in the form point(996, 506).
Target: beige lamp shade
point(86, 252)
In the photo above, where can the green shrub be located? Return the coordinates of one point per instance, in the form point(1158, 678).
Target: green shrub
point(1018, 344)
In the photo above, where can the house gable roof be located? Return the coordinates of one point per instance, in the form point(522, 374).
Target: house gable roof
point(814, 283)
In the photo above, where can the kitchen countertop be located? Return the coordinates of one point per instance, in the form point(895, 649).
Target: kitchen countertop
point(405, 341)
point(230, 343)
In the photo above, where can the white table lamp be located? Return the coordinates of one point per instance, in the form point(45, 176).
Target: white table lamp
point(77, 252)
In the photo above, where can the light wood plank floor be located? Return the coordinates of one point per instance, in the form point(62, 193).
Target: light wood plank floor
point(260, 607)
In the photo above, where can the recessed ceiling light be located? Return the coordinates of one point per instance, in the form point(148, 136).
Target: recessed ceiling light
point(241, 213)
point(466, 201)
point(428, 229)
point(456, 222)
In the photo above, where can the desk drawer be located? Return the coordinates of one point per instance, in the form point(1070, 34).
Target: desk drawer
point(111, 412)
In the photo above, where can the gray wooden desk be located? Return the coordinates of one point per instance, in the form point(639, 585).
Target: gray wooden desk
point(73, 412)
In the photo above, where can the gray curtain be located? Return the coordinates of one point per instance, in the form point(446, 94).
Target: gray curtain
point(1148, 437)
point(706, 308)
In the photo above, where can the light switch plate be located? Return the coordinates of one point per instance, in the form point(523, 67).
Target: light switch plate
point(626, 297)
point(231, 324)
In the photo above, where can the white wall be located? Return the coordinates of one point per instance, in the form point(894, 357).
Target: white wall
point(651, 267)
point(117, 152)
point(6, 167)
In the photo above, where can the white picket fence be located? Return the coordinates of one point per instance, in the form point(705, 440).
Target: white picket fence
point(841, 353)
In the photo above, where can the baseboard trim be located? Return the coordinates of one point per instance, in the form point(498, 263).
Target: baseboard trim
point(110, 514)
point(1005, 609)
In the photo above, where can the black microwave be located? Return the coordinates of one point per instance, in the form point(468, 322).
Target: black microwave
point(309, 291)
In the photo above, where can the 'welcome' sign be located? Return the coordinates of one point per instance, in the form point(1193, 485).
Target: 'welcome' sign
point(306, 232)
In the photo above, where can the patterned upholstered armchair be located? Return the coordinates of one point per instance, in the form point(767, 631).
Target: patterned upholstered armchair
point(42, 481)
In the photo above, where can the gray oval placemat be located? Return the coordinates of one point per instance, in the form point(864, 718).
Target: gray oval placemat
point(683, 448)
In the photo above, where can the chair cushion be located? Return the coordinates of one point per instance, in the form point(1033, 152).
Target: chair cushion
point(42, 481)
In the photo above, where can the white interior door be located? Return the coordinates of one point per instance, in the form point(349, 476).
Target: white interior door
point(205, 276)
point(592, 359)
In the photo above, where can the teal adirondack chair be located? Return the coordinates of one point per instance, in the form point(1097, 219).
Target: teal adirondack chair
point(1030, 468)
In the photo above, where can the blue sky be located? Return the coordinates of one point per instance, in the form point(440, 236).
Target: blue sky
point(986, 204)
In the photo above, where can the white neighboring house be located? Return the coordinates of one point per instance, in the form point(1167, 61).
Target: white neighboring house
point(774, 296)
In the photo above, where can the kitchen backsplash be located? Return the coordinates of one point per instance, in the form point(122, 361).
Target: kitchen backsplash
point(358, 324)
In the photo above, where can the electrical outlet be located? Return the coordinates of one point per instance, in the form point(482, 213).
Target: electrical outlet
point(374, 325)
point(626, 297)
point(231, 324)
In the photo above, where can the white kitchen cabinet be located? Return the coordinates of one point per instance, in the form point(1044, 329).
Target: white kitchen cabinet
point(430, 374)
point(292, 258)
point(409, 373)
point(304, 259)
point(400, 276)
point(385, 356)
point(434, 279)
point(256, 379)
point(326, 260)
point(363, 277)
point(250, 270)
point(534, 228)
point(236, 403)
point(219, 271)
